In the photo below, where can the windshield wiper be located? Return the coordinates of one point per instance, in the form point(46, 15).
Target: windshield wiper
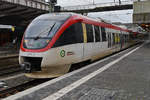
point(47, 29)
point(51, 29)
point(38, 36)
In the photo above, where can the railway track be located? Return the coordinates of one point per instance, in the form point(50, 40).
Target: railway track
point(13, 90)
point(9, 57)
point(9, 65)
point(4, 71)
point(8, 60)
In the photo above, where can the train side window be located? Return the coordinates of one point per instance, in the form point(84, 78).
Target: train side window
point(72, 35)
point(128, 38)
point(113, 36)
point(90, 37)
point(116, 38)
point(103, 34)
point(79, 32)
point(100, 34)
point(119, 38)
point(97, 34)
point(125, 38)
point(109, 40)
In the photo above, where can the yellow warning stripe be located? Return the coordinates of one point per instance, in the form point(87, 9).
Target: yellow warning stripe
point(84, 33)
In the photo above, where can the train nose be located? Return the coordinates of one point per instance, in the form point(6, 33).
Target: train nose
point(26, 66)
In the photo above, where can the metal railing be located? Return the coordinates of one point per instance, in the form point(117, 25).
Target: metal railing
point(92, 6)
point(30, 3)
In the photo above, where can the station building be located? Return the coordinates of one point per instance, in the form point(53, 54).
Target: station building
point(141, 14)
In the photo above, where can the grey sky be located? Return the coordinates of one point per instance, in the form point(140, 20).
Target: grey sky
point(84, 2)
point(124, 16)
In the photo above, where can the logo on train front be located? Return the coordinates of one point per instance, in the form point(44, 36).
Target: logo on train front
point(62, 53)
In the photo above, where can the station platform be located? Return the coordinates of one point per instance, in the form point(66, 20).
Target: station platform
point(122, 76)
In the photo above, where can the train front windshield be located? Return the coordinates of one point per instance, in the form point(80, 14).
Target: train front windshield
point(40, 32)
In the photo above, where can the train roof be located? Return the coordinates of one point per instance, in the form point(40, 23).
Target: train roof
point(95, 21)
point(89, 20)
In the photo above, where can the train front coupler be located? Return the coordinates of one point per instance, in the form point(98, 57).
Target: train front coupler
point(26, 67)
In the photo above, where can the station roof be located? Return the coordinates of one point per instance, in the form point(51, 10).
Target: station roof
point(20, 12)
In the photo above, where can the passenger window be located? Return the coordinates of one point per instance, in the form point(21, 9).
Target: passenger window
point(89, 29)
point(72, 35)
point(78, 33)
point(97, 34)
point(103, 34)
point(116, 38)
point(113, 36)
point(109, 40)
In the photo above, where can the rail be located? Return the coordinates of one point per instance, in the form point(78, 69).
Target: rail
point(9, 57)
point(9, 64)
point(11, 91)
point(9, 70)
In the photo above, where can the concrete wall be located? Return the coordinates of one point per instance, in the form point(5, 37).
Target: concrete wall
point(141, 12)
point(38, 4)
point(141, 7)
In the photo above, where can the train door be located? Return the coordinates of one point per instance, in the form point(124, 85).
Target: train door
point(88, 40)
point(97, 44)
point(104, 42)
point(70, 44)
point(84, 38)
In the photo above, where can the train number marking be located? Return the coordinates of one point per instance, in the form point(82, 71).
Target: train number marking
point(70, 53)
point(62, 53)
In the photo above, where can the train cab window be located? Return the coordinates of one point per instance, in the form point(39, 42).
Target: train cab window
point(72, 35)
point(103, 34)
point(97, 34)
point(90, 37)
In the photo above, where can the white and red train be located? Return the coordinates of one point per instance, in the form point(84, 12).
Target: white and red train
point(53, 42)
